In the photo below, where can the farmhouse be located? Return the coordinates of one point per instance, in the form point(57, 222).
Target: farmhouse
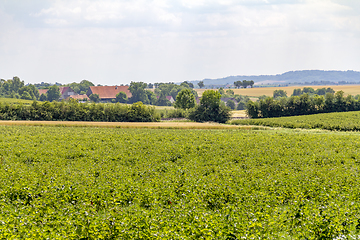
point(107, 93)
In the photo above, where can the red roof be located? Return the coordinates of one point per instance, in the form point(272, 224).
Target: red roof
point(62, 90)
point(109, 92)
point(43, 91)
point(79, 97)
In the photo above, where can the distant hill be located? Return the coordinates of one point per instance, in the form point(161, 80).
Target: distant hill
point(301, 77)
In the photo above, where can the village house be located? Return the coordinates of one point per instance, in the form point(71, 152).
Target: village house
point(107, 93)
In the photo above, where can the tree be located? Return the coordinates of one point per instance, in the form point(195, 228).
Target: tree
point(308, 90)
point(231, 104)
point(26, 95)
point(163, 101)
point(245, 83)
point(137, 90)
point(121, 97)
point(53, 94)
point(150, 85)
point(152, 97)
point(279, 93)
point(252, 109)
point(221, 91)
point(251, 83)
point(43, 97)
point(201, 84)
point(297, 92)
point(95, 97)
point(210, 109)
point(185, 99)
point(238, 84)
point(230, 92)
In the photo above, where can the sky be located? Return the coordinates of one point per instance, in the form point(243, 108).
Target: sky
point(114, 42)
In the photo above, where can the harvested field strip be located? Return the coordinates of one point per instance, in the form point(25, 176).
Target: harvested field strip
point(268, 91)
point(165, 125)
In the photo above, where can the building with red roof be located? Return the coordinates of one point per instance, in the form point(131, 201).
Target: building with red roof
point(107, 93)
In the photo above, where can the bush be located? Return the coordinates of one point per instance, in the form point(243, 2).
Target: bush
point(210, 109)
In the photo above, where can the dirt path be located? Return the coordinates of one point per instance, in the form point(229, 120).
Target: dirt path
point(166, 125)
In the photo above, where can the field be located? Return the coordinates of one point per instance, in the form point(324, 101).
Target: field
point(15, 101)
point(112, 183)
point(343, 121)
point(268, 91)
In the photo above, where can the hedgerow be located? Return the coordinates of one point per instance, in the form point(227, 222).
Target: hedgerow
point(75, 111)
point(343, 121)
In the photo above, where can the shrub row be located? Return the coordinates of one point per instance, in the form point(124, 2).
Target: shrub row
point(302, 105)
point(74, 111)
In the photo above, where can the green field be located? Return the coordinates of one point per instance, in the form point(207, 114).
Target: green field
point(15, 101)
point(342, 121)
point(100, 183)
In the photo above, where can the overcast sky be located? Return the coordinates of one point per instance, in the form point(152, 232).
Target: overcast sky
point(118, 41)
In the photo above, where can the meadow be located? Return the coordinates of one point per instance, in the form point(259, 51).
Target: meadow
point(114, 183)
point(338, 121)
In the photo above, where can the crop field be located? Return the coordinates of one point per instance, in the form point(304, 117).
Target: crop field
point(111, 183)
point(268, 91)
point(339, 121)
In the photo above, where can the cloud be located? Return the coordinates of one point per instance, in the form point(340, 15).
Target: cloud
point(118, 41)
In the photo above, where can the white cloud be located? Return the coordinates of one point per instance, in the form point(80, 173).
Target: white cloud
point(114, 42)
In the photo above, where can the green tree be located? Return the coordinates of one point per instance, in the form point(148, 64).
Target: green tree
point(210, 109)
point(221, 91)
point(279, 93)
point(201, 84)
point(185, 99)
point(163, 101)
point(95, 97)
point(121, 97)
point(26, 95)
point(297, 92)
point(253, 109)
point(238, 84)
point(152, 97)
point(231, 104)
point(53, 94)
point(230, 92)
point(137, 90)
point(43, 97)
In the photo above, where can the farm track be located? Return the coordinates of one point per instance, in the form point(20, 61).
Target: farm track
point(161, 125)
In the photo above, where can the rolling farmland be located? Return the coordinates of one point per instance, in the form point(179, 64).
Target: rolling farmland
point(268, 91)
point(110, 183)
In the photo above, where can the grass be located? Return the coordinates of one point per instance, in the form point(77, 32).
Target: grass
point(15, 101)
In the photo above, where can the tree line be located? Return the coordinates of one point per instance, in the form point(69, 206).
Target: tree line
point(304, 104)
point(15, 88)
